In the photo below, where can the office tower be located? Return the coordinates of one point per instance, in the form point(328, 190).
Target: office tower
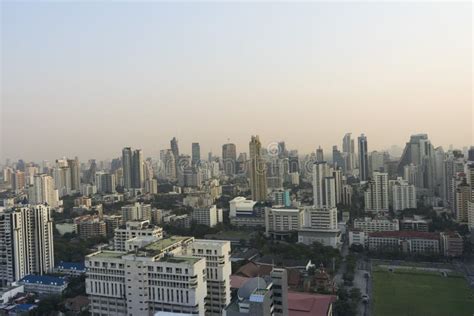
point(26, 236)
point(377, 161)
point(170, 165)
point(319, 154)
point(138, 282)
point(174, 147)
point(470, 154)
point(403, 195)
point(229, 157)
point(376, 196)
point(282, 151)
point(275, 173)
point(127, 168)
point(363, 158)
point(337, 158)
point(258, 177)
point(138, 175)
point(419, 152)
point(196, 154)
point(324, 186)
point(43, 191)
point(105, 182)
point(89, 176)
point(338, 182)
point(133, 169)
point(453, 167)
point(293, 162)
point(348, 151)
point(74, 167)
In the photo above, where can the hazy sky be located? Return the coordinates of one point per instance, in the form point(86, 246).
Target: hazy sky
point(88, 78)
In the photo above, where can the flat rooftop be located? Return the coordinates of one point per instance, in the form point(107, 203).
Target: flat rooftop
point(157, 247)
point(181, 259)
point(107, 254)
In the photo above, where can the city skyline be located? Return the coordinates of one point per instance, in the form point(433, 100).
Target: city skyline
point(306, 74)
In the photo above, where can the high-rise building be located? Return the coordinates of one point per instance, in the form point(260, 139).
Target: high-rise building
point(133, 169)
point(229, 159)
point(258, 177)
point(319, 154)
point(138, 174)
point(363, 158)
point(127, 167)
point(376, 195)
point(324, 186)
point(348, 151)
point(174, 274)
point(196, 154)
point(470, 154)
point(26, 239)
point(208, 216)
point(74, 167)
point(170, 165)
point(43, 191)
point(403, 195)
point(463, 196)
point(136, 229)
point(337, 158)
point(105, 182)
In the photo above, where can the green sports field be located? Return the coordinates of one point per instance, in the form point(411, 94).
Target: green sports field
point(420, 294)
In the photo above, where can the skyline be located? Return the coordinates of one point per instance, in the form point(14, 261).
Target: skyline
point(196, 71)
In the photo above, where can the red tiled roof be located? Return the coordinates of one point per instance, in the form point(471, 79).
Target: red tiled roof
point(405, 234)
point(308, 304)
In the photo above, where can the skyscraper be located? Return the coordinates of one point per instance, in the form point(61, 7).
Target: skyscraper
point(75, 174)
point(324, 186)
point(127, 167)
point(26, 236)
point(138, 174)
point(43, 191)
point(319, 154)
point(133, 169)
point(258, 177)
point(196, 154)
point(376, 195)
point(229, 157)
point(348, 152)
point(363, 158)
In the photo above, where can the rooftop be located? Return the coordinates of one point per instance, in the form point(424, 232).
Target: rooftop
point(181, 259)
point(157, 247)
point(43, 279)
point(108, 254)
point(78, 266)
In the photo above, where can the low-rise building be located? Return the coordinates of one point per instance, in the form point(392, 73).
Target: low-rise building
point(369, 225)
point(452, 244)
point(70, 268)
point(404, 241)
point(89, 226)
point(415, 223)
point(357, 237)
point(43, 285)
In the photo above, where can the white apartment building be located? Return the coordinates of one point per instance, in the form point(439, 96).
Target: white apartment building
point(357, 237)
point(403, 195)
point(241, 206)
point(26, 242)
point(136, 212)
point(282, 220)
point(43, 191)
point(164, 275)
point(376, 195)
point(369, 225)
point(133, 229)
point(209, 216)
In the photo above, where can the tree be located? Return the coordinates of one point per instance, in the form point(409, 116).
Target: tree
point(355, 295)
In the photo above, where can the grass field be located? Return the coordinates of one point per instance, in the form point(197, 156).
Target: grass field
point(420, 294)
